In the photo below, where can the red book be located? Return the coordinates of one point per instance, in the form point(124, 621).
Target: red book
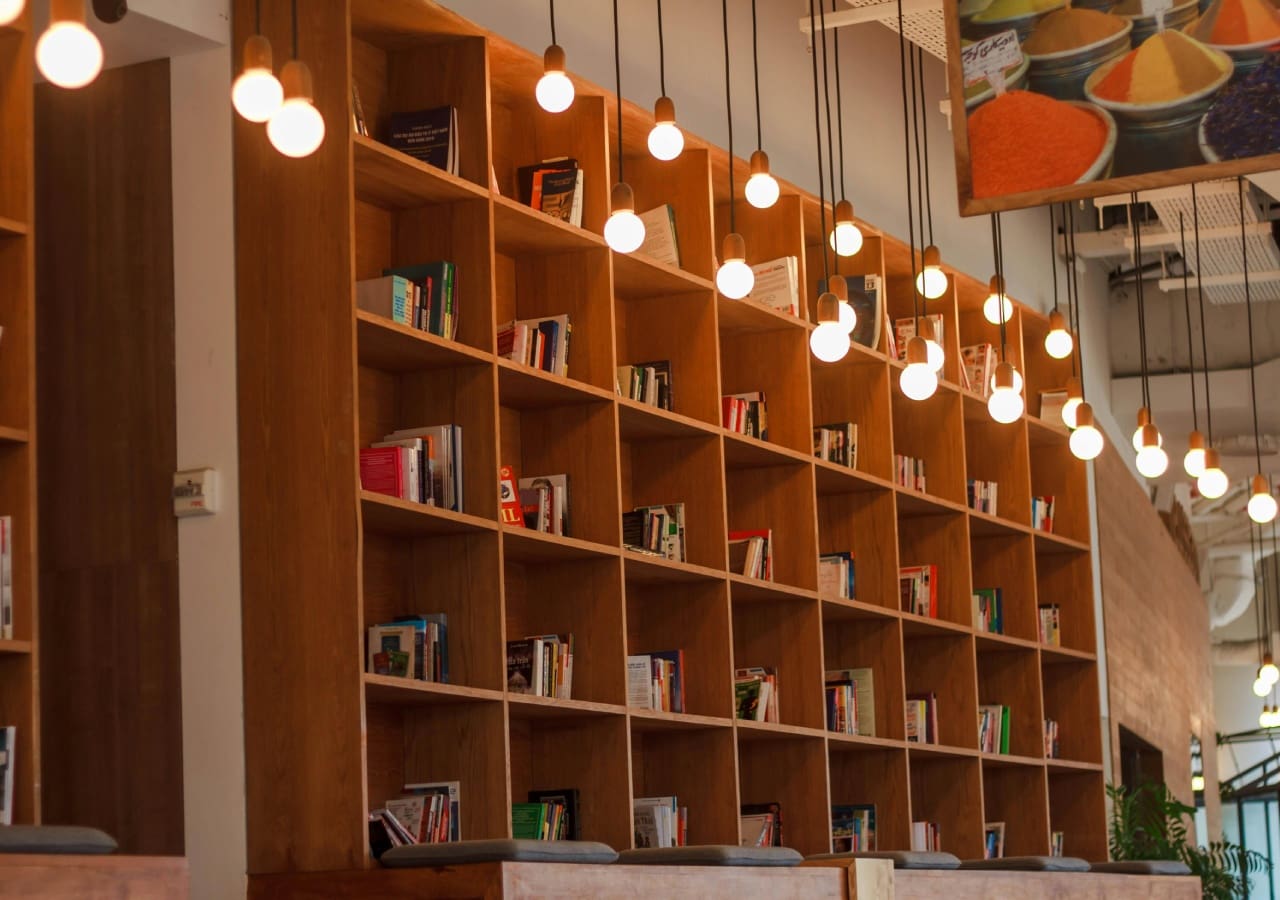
point(382, 471)
point(509, 498)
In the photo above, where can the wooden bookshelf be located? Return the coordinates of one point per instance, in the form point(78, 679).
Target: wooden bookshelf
point(322, 559)
point(19, 658)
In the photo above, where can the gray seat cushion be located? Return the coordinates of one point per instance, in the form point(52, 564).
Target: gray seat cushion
point(1142, 867)
point(68, 839)
point(710, 855)
point(902, 859)
point(418, 856)
point(1029, 864)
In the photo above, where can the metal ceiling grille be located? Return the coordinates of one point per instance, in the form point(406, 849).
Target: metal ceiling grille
point(925, 28)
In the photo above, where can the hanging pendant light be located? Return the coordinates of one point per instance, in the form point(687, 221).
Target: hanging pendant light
point(997, 307)
point(297, 128)
point(1074, 399)
point(761, 189)
point(936, 357)
point(1058, 342)
point(68, 53)
point(918, 380)
point(1144, 419)
point(734, 278)
point(840, 287)
point(1260, 686)
point(846, 237)
point(256, 93)
point(554, 91)
point(1213, 483)
point(1004, 403)
point(1268, 672)
point(829, 341)
point(666, 140)
point(931, 283)
point(1086, 440)
point(623, 230)
point(10, 10)
point(1262, 503)
point(1193, 460)
point(1152, 461)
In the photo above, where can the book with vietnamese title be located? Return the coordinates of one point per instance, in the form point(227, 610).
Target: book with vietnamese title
point(428, 135)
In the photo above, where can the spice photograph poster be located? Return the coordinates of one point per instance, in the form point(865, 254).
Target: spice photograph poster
point(1069, 100)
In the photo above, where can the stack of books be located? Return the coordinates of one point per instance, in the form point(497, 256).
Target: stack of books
point(988, 610)
point(926, 837)
point(554, 187)
point(656, 681)
point(655, 530)
point(993, 728)
point(1050, 625)
point(6, 579)
point(1052, 749)
point(8, 740)
point(660, 239)
point(978, 364)
point(837, 443)
point(859, 697)
point(411, 647)
point(420, 297)
point(918, 590)
point(905, 330)
point(777, 285)
point(541, 666)
point(548, 816)
point(544, 503)
point(660, 822)
point(646, 382)
point(993, 841)
point(909, 472)
point(745, 414)
point(1051, 404)
point(922, 718)
point(853, 828)
point(428, 813)
point(428, 135)
point(982, 496)
point(842, 707)
point(751, 553)
point(755, 692)
point(538, 343)
point(760, 825)
point(421, 465)
point(1055, 843)
point(1042, 510)
point(835, 575)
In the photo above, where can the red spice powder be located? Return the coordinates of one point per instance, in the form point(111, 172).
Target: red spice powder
point(1026, 142)
point(1115, 86)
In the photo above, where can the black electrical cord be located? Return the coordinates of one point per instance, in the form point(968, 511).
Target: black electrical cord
point(1204, 340)
point(924, 128)
point(293, 12)
point(257, 17)
point(915, 52)
point(552, 3)
point(728, 107)
point(1053, 255)
point(1142, 317)
point(817, 127)
point(1248, 308)
point(835, 40)
point(906, 147)
point(662, 50)
point(1186, 307)
point(826, 94)
point(755, 68)
point(1073, 295)
point(617, 82)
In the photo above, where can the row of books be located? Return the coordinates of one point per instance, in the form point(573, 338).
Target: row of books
point(660, 822)
point(851, 701)
point(918, 590)
point(1050, 625)
point(541, 344)
point(8, 739)
point(760, 825)
point(905, 330)
point(755, 694)
point(745, 414)
point(988, 610)
point(922, 718)
point(837, 443)
point(547, 816)
point(909, 472)
point(426, 813)
point(422, 297)
point(926, 837)
point(544, 503)
point(542, 666)
point(656, 681)
point(835, 575)
point(655, 530)
point(981, 496)
point(1042, 511)
point(993, 840)
point(6, 578)
point(751, 553)
point(1052, 748)
point(421, 465)
point(554, 187)
point(646, 382)
point(993, 728)
point(853, 828)
point(414, 646)
point(428, 135)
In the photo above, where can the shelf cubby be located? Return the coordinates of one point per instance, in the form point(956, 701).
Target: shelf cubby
point(857, 390)
point(697, 766)
point(1043, 372)
point(975, 329)
point(948, 790)
point(16, 361)
point(941, 540)
point(780, 498)
point(1012, 794)
point(644, 335)
point(1077, 808)
point(684, 184)
point(997, 453)
point(917, 429)
point(869, 260)
point(789, 770)
point(944, 666)
point(1011, 677)
point(784, 635)
point(1056, 473)
point(769, 234)
point(775, 363)
point(900, 297)
point(863, 524)
point(876, 644)
point(877, 775)
point(693, 617)
point(1071, 699)
point(1007, 562)
point(1066, 579)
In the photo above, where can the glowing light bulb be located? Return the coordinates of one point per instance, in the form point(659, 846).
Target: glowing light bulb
point(1152, 461)
point(936, 357)
point(68, 54)
point(297, 128)
point(1005, 401)
point(848, 318)
point(762, 188)
point(846, 236)
point(257, 94)
point(997, 303)
point(1214, 482)
point(1058, 343)
point(829, 342)
point(1197, 783)
point(1260, 687)
point(666, 140)
point(918, 380)
point(1144, 419)
point(10, 10)
point(1267, 672)
point(1017, 381)
point(1193, 461)
point(624, 230)
point(932, 281)
point(1086, 441)
point(554, 90)
point(1262, 506)
point(1069, 411)
point(734, 278)
point(1264, 718)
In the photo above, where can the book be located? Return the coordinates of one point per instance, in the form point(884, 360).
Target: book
point(1055, 843)
point(1052, 747)
point(435, 302)
point(657, 822)
point(358, 120)
point(926, 837)
point(982, 496)
point(509, 498)
point(745, 413)
point(837, 443)
point(443, 799)
point(755, 830)
point(918, 590)
point(655, 531)
point(909, 472)
point(842, 707)
point(772, 836)
point(553, 187)
point(392, 650)
point(993, 840)
point(391, 296)
point(541, 666)
point(864, 692)
point(1050, 625)
point(993, 728)
point(1051, 404)
point(646, 382)
point(416, 461)
point(660, 239)
point(835, 575)
point(922, 718)
point(755, 691)
point(567, 800)
point(1042, 510)
point(751, 553)
point(8, 739)
point(550, 494)
point(6, 578)
point(853, 828)
point(867, 300)
point(538, 343)
point(988, 610)
point(978, 364)
point(777, 285)
point(385, 470)
point(428, 135)
point(528, 821)
point(655, 680)
point(905, 330)
point(443, 446)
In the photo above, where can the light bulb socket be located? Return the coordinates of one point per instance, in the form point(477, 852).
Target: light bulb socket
point(932, 257)
point(66, 11)
point(828, 308)
point(1195, 441)
point(917, 351)
point(734, 247)
point(664, 111)
point(1259, 485)
point(1084, 415)
point(553, 59)
point(1266, 661)
point(295, 78)
point(837, 285)
point(1057, 321)
point(1211, 459)
point(621, 198)
point(996, 285)
point(257, 53)
point(759, 162)
point(1144, 417)
point(844, 213)
point(1150, 435)
point(1073, 388)
point(1004, 377)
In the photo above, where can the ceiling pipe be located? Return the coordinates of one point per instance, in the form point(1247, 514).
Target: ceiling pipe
point(1231, 588)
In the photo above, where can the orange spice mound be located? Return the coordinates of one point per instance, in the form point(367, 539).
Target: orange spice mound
point(1235, 22)
point(1027, 142)
point(1167, 66)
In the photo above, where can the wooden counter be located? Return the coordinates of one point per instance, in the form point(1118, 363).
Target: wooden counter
point(62, 877)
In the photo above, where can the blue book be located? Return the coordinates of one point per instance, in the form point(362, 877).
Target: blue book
point(550, 329)
point(437, 281)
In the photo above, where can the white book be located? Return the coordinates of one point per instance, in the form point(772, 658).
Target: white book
point(753, 829)
point(777, 285)
point(410, 812)
point(660, 240)
point(920, 836)
point(640, 681)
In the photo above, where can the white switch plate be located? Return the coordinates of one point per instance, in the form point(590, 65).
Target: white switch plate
point(195, 492)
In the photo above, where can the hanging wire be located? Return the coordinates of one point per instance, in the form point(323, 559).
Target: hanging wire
point(1073, 296)
point(906, 146)
point(1275, 574)
point(1266, 593)
point(1204, 340)
point(835, 40)
point(755, 68)
point(924, 128)
point(1142, 313)
point(257, 17)
point(617, 76)
point(817, 127)
point(1053, 254)
point(553, 20)
point(1248, 308)
point(915, 131)
point(1257, 606)
point(293, 12)
point(662, 53)
point(1186, 307)
point(728, 107)
point(1004, 345)
point(831, 157)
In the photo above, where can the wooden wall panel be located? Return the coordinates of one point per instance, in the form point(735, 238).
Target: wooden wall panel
point(1157, 634)
point(112, 729)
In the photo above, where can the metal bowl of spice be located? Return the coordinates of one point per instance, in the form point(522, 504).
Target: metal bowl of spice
point(1144, 26)
point(1244, 121)
point(1246, 30)
point(1068, 45)
point(1002, 15)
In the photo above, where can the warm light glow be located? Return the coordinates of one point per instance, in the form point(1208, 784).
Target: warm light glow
point(991, 308)
point(846, 239)
point(848, 318)
point(1005, 405)
point(829, 342)
point(10, 10)
point(297, 128)
point(936, 356)
point(762, 190)
point(257, 94)
point(69, 55)
point(1069, 411)
point(1262, 509)
point(1152, 461)
point(1137, 439)
point(1059, 344)
point(624, 231)
point(735, 279)
point(1268, 673)
point(918, 381)
point(1017, 381)
point(1085, 442)
point(1197, 783)
point(666, 141)
point(554, 90)
point(1213, 483)
point(1260, 687)
point(931, 282)
point(1193, 462)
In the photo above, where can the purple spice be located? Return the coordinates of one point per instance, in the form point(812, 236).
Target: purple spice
point(1245, 120)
